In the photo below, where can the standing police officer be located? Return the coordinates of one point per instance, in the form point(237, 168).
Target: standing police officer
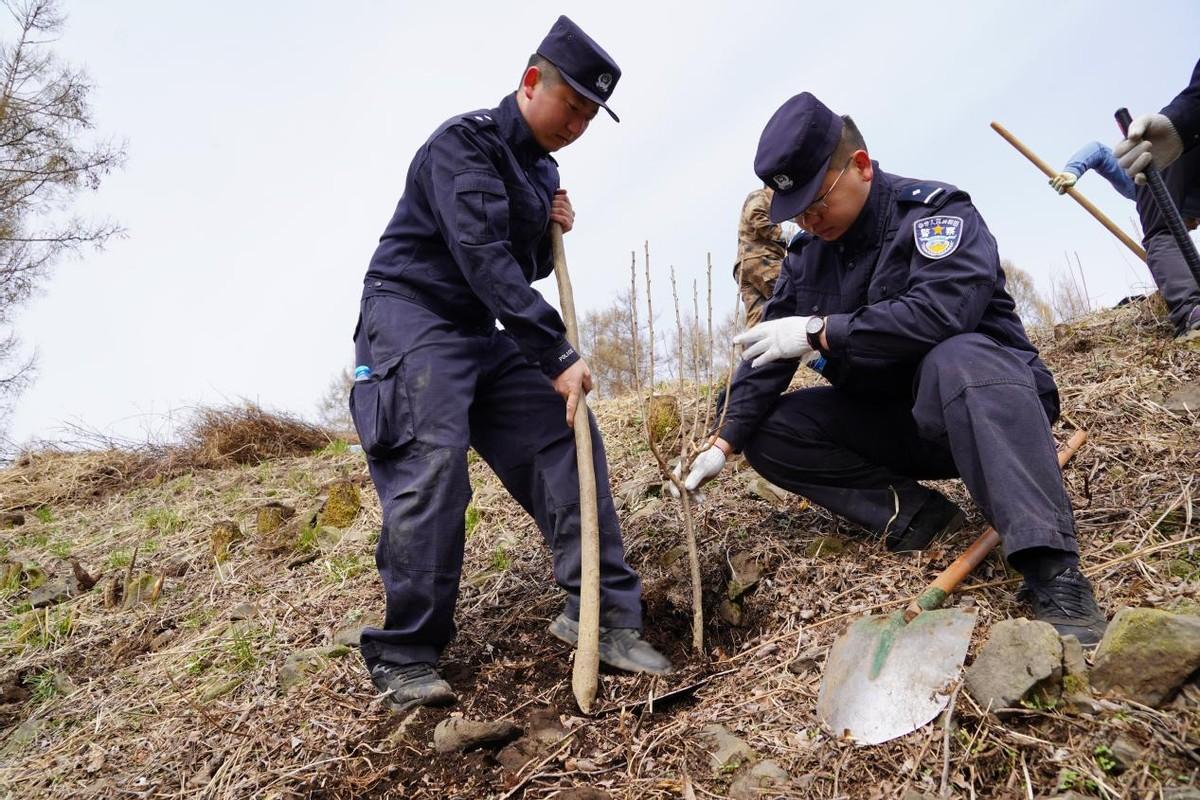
point(469, 236)
point(1169, 139)
point(899, 289)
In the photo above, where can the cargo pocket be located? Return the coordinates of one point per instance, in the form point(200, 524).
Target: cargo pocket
point(480, 208)
point(380, 410)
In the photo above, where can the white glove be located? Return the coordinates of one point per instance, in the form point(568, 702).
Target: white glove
point(1063, 181)
point(775, 339)
point(708, 465)
point(1151, 138)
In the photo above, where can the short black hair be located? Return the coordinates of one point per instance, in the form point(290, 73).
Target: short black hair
point(550, 73)
point(851, 141)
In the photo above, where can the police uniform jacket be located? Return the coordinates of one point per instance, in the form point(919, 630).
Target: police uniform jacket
point(470, 233)
point(917, 267)
point(1184, 111)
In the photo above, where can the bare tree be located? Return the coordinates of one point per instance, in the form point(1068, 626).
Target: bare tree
point(1069, 294)
point(1032, 307)
point(613, 348)
point(333, 409)
point(47, 158)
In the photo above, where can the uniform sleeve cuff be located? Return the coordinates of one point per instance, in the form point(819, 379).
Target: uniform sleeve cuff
point(556, 360)
point(837, 329)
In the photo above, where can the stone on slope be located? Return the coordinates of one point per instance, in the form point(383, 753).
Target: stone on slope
point(1021, 662)
point(1147, 654)
point(455, 734)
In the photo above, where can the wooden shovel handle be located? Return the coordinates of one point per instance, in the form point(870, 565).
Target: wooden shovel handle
point(935, 593)
point(585, 673)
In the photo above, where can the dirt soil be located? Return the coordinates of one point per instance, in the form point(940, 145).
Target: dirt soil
point(173, 698)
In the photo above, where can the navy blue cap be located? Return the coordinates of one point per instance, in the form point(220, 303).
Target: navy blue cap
point(583, 63)
point(794, 153)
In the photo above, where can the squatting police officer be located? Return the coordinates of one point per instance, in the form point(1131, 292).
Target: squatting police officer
point(898, 288)
point(469, 236)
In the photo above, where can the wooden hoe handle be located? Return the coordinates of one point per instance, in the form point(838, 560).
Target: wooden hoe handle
point(935, 593)
point(585, 673)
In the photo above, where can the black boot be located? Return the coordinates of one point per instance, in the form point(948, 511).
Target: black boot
point(937, 518)
point(411, 685)
point(1067, 602)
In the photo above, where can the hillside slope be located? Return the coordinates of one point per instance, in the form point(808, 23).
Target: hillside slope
point(167, 678)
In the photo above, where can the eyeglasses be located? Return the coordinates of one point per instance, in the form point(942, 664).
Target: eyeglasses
point(818, 207)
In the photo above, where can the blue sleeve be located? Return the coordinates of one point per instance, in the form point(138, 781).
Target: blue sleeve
point(755, 390)
point(1184, 111)
point(469, 200)
point(943, 297)
point(1100, 158)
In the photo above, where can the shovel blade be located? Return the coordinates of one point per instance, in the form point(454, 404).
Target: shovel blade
point(885, 678)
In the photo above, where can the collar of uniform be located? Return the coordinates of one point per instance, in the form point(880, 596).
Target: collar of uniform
point(862, 233)
point(516, 133)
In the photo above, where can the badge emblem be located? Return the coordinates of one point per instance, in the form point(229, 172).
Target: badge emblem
point(604, 81)
point(937, 237)
point(783, 182)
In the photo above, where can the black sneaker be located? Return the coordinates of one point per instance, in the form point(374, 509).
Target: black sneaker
point(1068, 603)
point(937, 518)
point(623, 648)
point(411, 685)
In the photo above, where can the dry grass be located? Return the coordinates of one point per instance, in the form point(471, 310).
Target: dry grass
point(215, 438)
point(172, 700)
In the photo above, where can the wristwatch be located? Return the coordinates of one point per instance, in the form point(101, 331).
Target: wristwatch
point(814, 327)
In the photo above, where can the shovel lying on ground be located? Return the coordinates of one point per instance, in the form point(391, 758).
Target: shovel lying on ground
point(889, 675)
point(585, 673)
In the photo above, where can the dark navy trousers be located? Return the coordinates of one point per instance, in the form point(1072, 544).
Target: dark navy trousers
point(979, 411)
point(1164, 258)
point(438, 389)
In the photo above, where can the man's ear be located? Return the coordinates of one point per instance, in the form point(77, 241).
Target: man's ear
point(862, 162)
point(529, 80)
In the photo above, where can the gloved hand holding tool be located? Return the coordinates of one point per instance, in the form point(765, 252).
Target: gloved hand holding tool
point(1150, 144)
point(1063, 181)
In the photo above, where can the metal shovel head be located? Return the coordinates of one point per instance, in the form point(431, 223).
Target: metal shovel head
point(885, 678)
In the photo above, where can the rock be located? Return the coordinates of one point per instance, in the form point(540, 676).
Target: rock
point(222, 536)
point(805, 662)
point(760, 779)
point(746, 573)
point(763, 489)
point(726, 751)
point(22, 736)
point(271, 517)
point(300, 665)
point(632, 492)
point(652, 507)
point(53, 592)
point(545, 732)
point(11, 519)
point(824, 546)
point(243, 611)
point(341, 505)
point(1184, 400)
point(583, 793)
point(1021, 663)
point(349, 631)
point(1125, 753)
point(83, 580)
point(731, 612)
point(1076, 694)
point(1147, 654)
point(456, 734)
point(663, 417)
point(144, 587)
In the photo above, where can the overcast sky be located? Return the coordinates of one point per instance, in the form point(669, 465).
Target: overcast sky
point(268, 144)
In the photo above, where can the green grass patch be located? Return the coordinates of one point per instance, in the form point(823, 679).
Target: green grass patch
point(161, 520)
point(44, 513)
point(240, 651)
point(42, 686)
point(342, 568)
point(501, 560)
point(119, 558)
point(335, 448)
point(60, 548)
point(472, 520)
point(306, 540)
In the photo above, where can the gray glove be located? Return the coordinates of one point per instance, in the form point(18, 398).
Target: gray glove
point(1153, 139)
point(1063, 181)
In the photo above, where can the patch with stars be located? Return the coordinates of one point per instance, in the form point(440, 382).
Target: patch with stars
point(937, 237)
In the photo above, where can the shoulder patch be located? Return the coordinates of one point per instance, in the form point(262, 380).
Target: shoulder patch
point(937, 237)
point(479, 119)
point(924, 193)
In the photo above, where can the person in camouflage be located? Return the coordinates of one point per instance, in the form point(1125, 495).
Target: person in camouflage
point(761, 247)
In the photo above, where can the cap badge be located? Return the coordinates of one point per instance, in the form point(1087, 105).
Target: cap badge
point(937, 237)
point(783, 182)
point(604, 81)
